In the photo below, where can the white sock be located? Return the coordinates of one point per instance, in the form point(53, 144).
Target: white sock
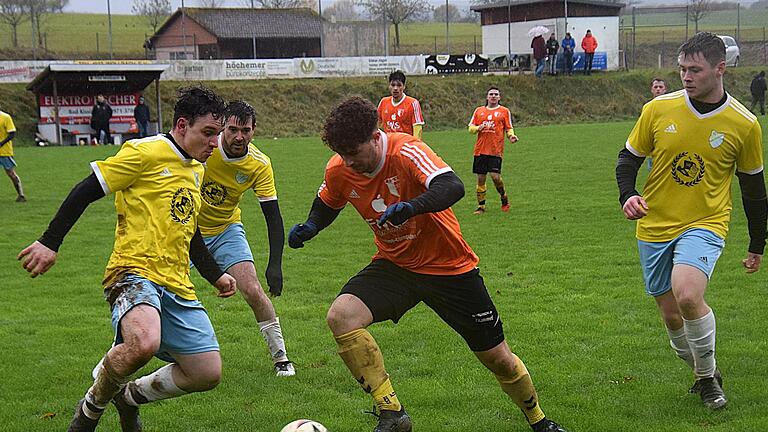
point(701, 338)
point(156, 386)
point(273, 335)
point(679, 343)
point(91, 409)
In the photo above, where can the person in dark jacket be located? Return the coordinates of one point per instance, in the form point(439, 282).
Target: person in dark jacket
point(569, 45)
point(539, 54)
point(552, 47)
point(100, 115)
point(141, 115)
point(757, 88)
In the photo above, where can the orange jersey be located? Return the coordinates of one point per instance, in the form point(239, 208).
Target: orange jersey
point(490, 140)
point(429, 243)
point(401, 116)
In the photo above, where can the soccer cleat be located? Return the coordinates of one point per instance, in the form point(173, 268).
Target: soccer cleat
point(547, 425)
point(80, 421)
point(479, 211)
point(285, 369)
point(129, 414)
point(393, 421)
point(505, 207)
point(696, 388)
point(712, 394)
point(21, 198)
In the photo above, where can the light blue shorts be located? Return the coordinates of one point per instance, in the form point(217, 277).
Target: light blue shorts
point(230, 247)
point(696, 247)
point(7, 162)
point(184, 324)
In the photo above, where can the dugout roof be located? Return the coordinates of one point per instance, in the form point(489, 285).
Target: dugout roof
point(513, 3)
point(95, 78)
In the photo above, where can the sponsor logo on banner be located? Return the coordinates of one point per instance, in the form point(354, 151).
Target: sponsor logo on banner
point(76, 109)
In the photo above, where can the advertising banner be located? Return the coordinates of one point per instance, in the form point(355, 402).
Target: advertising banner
point(76, 109)
point(441, 64)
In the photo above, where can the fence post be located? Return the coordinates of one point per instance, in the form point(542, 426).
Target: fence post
point(97, 44)
point(738, 22)
point(765, 49)
point(634, 31)
point(661, 62)
point(474, 39)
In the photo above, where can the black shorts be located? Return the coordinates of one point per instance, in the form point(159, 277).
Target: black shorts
point(462, 301)
point(483, 164)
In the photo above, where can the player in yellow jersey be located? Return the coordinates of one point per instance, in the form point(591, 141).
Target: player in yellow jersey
point(698, 137)
point(235, 167)
point(7, 133)
point(156, 182)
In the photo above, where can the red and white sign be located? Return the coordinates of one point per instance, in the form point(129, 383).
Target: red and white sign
point(76, 109)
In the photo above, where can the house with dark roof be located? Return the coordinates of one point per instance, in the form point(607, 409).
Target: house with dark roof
point(237, 33)
point(505, 25)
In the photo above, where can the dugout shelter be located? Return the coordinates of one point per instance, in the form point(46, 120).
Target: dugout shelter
point(66, 94)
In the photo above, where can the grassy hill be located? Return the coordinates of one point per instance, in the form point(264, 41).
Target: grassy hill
point(298, 107)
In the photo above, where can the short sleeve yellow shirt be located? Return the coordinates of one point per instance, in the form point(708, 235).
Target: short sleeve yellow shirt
point(6, 127)
point(157, 198)
point(695, 157)
point(226, 180)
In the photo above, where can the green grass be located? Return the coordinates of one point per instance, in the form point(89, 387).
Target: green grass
point(562, 268)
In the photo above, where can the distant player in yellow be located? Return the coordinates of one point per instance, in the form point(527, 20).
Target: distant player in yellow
point(7, 133)
point(234, 168)
point(698, 137)
point(491, 123)
point(156, 182)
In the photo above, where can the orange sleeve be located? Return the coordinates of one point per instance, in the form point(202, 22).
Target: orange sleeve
point(422, 163)
point(328, 191)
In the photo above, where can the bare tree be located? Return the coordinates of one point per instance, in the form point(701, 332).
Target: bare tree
point(341, 10)
point(395, 11)
point(697, 10)
point(13, 12)
point(155, 11)
point(57, 5)
point(439, 14)
point(214, 4)
point(280, 4)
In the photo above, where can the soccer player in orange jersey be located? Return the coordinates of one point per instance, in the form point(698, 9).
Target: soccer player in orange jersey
point(404, 191)
point(400, 113)
point(490, 123)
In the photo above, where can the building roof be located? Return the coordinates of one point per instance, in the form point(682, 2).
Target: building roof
point(504, 3)
point(240, 23)
point(97, 77)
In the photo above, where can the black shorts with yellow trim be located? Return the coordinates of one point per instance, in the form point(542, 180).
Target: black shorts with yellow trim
point(484, 164)
point(462, 301)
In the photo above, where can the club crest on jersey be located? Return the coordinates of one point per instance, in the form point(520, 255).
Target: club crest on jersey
point(182, 206)
point(490, 117)
point(378, 204)
point(716, 138)
point(400, 112)
point(688, 169)
point(213, 193)
point(241, 177)
point(392, 186)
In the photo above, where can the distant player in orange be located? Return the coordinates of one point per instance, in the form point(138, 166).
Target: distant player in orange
point(404, 192)
point(491, 123)
point(400, 113)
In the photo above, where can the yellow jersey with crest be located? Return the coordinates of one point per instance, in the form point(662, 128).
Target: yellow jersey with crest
point(695, 157)
point(6, 127)
point(157, 198)
point(226, 180)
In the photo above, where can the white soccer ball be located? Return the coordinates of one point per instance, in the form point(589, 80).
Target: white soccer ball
point(304, 426)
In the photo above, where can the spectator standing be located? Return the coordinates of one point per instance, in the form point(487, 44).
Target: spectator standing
point(100, 115)
point(539, 54)
point(553, 46)
point(757, 88)
point(141, 115)
point(569, 45)
point(589, 45)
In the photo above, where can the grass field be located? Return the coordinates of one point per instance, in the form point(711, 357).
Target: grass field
point(561, 266)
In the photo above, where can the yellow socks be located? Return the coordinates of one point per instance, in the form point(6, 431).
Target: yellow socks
point(520, 389)
point(363, 358)
point(481, 191)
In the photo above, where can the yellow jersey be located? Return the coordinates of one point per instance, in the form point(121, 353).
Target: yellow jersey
point(226, 180)
point(694, 160)
point(157, 198)
point(6, 127)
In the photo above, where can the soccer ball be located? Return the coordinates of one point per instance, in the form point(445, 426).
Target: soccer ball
point(304, 426)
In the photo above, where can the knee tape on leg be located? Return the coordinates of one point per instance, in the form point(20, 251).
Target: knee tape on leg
point(481, 191)
point(106, 385)
point(363, 358)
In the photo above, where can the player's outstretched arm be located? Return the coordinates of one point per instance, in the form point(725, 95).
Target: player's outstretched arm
point(753, 196)
point(276, 235)
point(444, 190)
point(40, 256)
point(10, 137)
point(633, 205)
point(320, 216)
point(208, 268)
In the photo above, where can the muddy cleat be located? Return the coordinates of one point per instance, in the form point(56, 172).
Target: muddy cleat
point(21, 198)
point(393, 421)
point(129, 414)
point(696, 388)
point(81, 422)
point(547, 425)
point(711, 393)
point(285, 369)
point(479, 211)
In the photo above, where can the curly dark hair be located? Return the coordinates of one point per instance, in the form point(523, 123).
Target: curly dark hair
point(241, 110)
point(197, 101)
point(351, 123)
point(397, 75)
point(706, 43)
